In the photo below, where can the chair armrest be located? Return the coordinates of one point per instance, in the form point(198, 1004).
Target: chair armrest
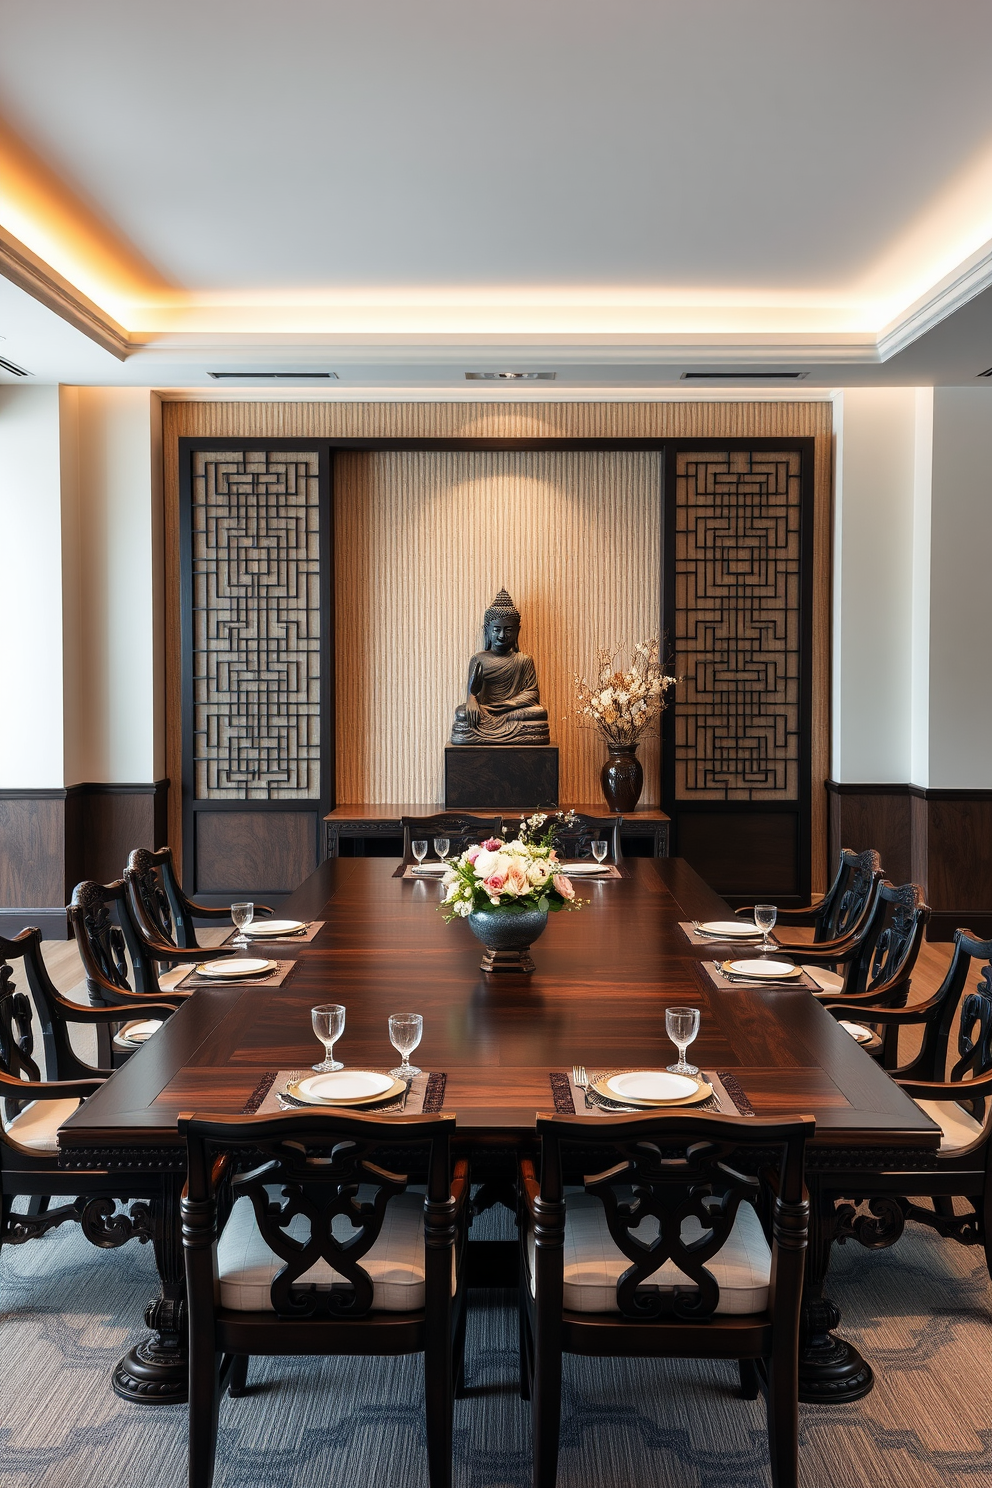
point(11, 1089)
point(161, 950)
point(949, 1090)
point(220, 911)
point(461, 1188)
point(530, 1189)
point(822, 951)
point(868, 1013)
point(75, 1012)
point(803, 917)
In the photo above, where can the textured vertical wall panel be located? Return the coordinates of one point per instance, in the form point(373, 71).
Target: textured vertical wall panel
point(424, 541)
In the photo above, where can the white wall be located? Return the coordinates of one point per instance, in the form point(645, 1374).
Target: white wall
point(961, 589)
point(30, 588)
point(113, 513)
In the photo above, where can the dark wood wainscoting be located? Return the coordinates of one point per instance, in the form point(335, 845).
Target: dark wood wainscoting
point(939, 838)
point(50, 839)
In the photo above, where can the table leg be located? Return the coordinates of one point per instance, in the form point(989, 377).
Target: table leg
point(156, 1370)
point(830, 1368)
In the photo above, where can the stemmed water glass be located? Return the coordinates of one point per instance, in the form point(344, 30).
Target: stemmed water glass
point(328, 1025)
point(242, 915)
point(765, 916)
point(405, 1033)
point(599, 849)
point(419, 849)
point(682, 1025)
point(442, 846)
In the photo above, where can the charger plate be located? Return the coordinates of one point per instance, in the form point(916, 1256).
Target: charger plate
point(609, 1086)
point(763, 971)
point(729, 930)
point(357, 1087)
point(234, 970)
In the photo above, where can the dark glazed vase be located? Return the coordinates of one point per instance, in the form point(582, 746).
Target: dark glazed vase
point(508, 935)
point(622, 777)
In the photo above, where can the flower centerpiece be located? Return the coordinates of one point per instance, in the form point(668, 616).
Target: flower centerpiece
point(623, 706)
point(506, 890)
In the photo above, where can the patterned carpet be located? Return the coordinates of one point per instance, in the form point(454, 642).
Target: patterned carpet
point(920, 1312)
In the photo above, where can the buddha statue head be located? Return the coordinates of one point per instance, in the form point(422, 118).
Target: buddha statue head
point(502, 625)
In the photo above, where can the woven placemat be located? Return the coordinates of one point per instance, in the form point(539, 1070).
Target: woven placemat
point(694, 938)
point(271, 979)
point(729, 1098)
point(426, 1096)
point(299, 937)
point(727, 984)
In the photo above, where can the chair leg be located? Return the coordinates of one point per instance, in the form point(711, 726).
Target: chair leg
point(526, 1347)
point(204, 1403)
point(750, 1384)
point(458, 1348)
point(439, 1405)
point(783, 1421)
point(237, 1384)
point(546, 1413)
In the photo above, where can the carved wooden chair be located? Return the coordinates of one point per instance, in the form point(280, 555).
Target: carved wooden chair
point(34, 1107)
point(348, 1260)
point(158, 904)
point(877, 963)
point(460, 830)
point(574, 842)
point(958, 1099)
point(842, 906)
point(662, 1254)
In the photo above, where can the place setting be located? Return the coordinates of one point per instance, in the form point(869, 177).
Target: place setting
point(734, 932)
point(331, 1085)
point(249, 931)
point(598, 868)
point(641, 1091)
point(426, 867)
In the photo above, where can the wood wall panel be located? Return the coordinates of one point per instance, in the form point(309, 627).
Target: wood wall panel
point(425, 540)
point(254, 852)
point(471, 420)
point(32, 838)
point(104, 823)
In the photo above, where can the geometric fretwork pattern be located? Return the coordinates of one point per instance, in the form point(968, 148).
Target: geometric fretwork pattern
point(738, 625)
point(256, 625)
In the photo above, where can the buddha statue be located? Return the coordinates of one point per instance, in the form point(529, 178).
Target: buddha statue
point(503, 704)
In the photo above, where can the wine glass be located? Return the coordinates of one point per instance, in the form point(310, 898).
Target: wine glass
point(599, 849)
point(682, 1025)
point(442, 846)
point(405, 1033)
point(419, 849)
point(242, 915)
point(328, 1025)
point(765, 916)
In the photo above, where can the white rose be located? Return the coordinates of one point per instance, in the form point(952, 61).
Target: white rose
point(485, 863)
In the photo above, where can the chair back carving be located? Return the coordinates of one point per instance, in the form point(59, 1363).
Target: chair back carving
point(107, 937)
point(461, 831)
point(897, 946)
point(149, 898)
point(857, 875)
point(679, 1168)
point(974, 1056)
point(327, 1167)
point(575, 841)
point(16, 1036)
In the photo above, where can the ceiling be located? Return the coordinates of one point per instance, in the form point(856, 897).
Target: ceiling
point(617, 193)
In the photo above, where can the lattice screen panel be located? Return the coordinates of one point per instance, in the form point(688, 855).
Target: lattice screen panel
point(738, 625)
point(256, 625)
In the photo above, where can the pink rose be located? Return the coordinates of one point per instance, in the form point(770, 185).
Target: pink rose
point(563, 885)
point(492, 844)
point(552, 856)
point(517, 881)
point(494, 883)
point(473, 852)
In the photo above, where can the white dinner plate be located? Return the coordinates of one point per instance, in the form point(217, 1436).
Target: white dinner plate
point(429, 868)
point(652, 1085)
point(265, 929)
point(340, 1086)
point(574, 870)
point(137, 1033)
point(770, 971)
point(225, 970)
point(730, 929)
point(863, 1035)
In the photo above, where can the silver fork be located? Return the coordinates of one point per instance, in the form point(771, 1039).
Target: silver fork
point(581, 1080)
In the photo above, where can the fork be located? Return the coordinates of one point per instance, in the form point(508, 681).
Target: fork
point(581, 1081)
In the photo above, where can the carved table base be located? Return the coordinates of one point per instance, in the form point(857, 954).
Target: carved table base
point(830, 1368)
point(156, 1370)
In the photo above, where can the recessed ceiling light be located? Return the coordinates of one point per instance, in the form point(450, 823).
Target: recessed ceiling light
point(273, 376)
point(510, 376)
point(13, 368)
point(742, 376)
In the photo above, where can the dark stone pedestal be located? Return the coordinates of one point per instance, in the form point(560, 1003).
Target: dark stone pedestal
point(479, 776)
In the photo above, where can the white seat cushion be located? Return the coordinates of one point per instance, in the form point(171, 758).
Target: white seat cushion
point(246, 1265)
point(593, 1264)
point(168, 981)
point(827, 981)
point(38, 1124)
point(958, 1128)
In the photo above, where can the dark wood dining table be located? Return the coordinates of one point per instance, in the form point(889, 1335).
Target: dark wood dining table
point(604, 977)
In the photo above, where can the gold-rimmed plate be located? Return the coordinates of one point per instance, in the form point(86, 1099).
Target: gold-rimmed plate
point(235, 969)
point(273, 929)
point(763, 971)
point(618, 1085)
point(338, 1088)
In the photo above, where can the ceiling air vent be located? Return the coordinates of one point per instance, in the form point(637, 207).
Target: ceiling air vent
point(13, 368)
point(742, 376)
point(510, 376)
point(274, 376)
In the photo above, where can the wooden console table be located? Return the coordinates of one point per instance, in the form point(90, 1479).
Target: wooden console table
point(361, 824)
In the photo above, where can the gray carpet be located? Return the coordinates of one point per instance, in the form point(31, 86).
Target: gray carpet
point(920, 1312)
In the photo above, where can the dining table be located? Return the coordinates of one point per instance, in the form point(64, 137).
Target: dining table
point(500, 1046)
